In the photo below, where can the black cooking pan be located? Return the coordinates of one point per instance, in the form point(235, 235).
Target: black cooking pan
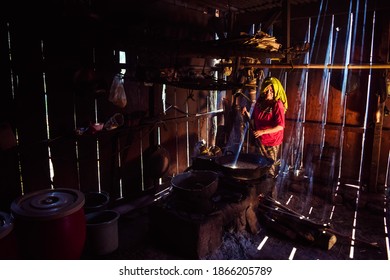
point(195, 184)
point(245, 166)
point(156, 161)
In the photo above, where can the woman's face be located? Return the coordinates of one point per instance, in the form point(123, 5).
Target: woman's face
point(268, 93)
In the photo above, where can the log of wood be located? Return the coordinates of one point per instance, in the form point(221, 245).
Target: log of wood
point(279, 228)
point(325, 240)
point(357, 240)
point(320, 234)
point(303, 228)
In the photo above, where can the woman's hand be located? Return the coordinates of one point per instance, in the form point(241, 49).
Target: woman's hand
point(244, 111)
point(258, 133)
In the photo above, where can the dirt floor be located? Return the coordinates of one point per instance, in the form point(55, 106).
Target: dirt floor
point(346, 209)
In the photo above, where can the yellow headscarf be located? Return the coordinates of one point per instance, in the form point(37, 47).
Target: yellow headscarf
point(279, 92)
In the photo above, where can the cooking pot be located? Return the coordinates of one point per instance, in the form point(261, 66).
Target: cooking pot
point(196, 185)
point(102, 232)
point(50, 224)
point(156, 162)
point(244, 166)
point(96, 201)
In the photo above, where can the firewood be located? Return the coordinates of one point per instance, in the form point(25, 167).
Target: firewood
point(325, 240)
point(297, 225)
point(324, 235)
point(357, 240)
point(279, 228)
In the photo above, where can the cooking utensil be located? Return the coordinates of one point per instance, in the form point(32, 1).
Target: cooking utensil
point(96, 201)
point(156, 161)
point(195, 185)
point(244, 166)
point(102, 232)
point(50, 224)
point(8, 244)
point(247, 118)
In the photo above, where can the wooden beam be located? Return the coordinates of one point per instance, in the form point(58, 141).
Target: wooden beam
point(313, 66)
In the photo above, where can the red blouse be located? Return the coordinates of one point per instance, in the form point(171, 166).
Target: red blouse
point(270, 117)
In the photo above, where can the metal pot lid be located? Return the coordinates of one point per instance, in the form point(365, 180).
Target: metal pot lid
point(48, 204)
point(6, 224)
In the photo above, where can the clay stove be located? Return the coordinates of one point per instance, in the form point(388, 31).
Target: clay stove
point(194, 229)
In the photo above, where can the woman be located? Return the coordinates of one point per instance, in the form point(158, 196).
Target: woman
point(269, 120)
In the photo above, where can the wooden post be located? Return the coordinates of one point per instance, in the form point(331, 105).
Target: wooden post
point(376, 147)
point(286, 13)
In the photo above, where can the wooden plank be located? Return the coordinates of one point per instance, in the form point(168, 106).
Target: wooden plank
point(384, 54)
point(352, 150)
point(383, 165)
point(60, 69)
point(87, 146)
point(376, 150)
point(105, 69)
point(7, 108)
point(131, 138)
point(175, 135)
point(202, 100)
point(135, 139)
point(187, 131)
point(77, 58)
point(169, 131)
point(10, 186)
point(30, 105)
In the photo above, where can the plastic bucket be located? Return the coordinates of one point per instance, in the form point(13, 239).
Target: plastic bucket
point(102, 232)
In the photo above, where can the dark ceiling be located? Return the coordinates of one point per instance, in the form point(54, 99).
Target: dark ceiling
point(198, 17)
point(236, 6)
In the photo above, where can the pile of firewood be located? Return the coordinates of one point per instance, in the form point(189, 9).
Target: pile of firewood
point(291, 224)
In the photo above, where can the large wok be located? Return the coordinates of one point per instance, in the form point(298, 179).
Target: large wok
point(195, 184)
point(245, 166)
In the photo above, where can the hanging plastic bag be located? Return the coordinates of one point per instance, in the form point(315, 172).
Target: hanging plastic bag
point(117, 92)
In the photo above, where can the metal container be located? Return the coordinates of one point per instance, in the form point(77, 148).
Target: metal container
point(8, 244)
point(156, 161)
point(102, 232)
point(96, 201)
point(195, 184)
point(244, 166)
point(50, 224)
